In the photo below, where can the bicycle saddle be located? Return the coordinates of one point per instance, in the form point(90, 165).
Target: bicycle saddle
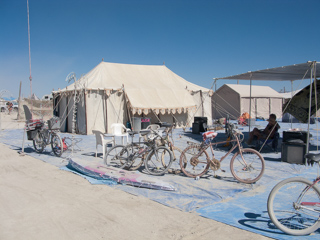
point(144, 132)
point(131, 133)
point(312, 158)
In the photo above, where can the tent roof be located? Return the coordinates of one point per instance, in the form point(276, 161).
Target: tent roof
point(147, 86)
point(257, 91)
point(286, 73)
point(115, 75)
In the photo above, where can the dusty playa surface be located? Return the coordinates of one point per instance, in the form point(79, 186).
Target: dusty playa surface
point(39, 201)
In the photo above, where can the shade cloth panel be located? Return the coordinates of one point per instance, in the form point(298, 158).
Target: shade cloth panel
point(299, 104)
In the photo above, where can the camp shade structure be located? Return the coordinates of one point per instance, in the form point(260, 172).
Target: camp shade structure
point(116, 92)
point(310, 69)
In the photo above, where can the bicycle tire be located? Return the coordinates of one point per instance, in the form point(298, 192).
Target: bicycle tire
point(137, 160)
point(284, 206)
point(194, 161)
point(56, 145)
point(117, 156)
point(158, 161)
point(38, 142)
point(249, 171)
point(176, 154)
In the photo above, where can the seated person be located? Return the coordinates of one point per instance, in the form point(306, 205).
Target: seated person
point(263, 134)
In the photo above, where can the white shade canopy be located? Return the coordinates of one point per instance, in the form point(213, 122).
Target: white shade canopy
point(286, 73)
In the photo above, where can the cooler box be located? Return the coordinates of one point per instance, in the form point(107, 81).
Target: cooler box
point(195, 128)
point(293, 151)
point(200, 121)
point(290, 135)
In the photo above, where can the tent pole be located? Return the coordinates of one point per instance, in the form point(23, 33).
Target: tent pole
point(202, 108)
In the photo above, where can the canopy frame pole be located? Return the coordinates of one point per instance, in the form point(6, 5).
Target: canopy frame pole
point(215, 100)
point(310, 102)
point(316, 99)
point(291, 117)
point(250, 102)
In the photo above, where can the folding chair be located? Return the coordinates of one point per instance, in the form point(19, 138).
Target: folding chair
point(271, 142)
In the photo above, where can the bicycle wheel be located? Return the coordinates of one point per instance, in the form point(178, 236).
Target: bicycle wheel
point(158, 161)
point(117, 156)
point(294, 206)
point(250, 169)
point(56, 145)
point(194, 161)
point(137, 160)
point(176, 154)
point(39, 142)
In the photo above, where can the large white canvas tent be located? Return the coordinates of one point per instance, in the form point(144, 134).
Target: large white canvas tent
point(115, 93)
point(234, 99)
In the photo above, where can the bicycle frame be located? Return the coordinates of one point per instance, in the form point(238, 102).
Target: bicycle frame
point(149, 147)
point(48, 134)
point(304, 204)
point(237, 145)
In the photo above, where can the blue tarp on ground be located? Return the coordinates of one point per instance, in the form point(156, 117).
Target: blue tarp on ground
point(217, 197)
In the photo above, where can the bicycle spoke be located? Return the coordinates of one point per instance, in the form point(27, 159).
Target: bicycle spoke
point(117, 156)
point(194, 161)
point(247, 168)
point(158, 161)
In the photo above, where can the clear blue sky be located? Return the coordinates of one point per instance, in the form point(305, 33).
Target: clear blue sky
point(198, 40)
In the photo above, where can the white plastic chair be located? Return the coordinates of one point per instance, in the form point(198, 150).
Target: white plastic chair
point(156, 128)
point(153, 126)
point(100, 140)
point(119, 130)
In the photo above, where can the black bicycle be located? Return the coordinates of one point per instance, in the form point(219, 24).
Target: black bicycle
point(156, 159)
point(45, 134)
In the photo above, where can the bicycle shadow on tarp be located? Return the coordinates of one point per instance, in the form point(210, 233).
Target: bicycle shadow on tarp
point(261, 223)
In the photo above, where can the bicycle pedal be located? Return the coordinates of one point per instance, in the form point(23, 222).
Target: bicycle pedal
point(222, 170)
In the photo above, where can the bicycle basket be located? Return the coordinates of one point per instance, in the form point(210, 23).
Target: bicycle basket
point(31, 134)
point(54, 123)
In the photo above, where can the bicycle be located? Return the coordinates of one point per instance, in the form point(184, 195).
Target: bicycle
point(157, 159)
point(247, 165)
point(167, 141)
point(294, 203)
point(48, 134)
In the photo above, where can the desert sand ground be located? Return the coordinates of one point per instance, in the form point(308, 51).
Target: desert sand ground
point(39, 201)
